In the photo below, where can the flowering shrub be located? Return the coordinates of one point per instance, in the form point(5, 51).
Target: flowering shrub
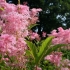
point(55, 58)
point(19, 45)
point(14, 23)
point(61, 37)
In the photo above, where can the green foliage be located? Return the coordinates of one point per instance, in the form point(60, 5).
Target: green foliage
point(44, 49)
point(32, 50)
point(66, 53)
point(54, 48)
point(32, 25)
point(46, 65)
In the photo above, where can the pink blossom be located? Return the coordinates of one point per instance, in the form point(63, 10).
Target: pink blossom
point(65, 63)
point(7, 43)
point(24, 10)
point(53, 33)
point(7, 8)
point(5, 59)
point(34, 35)
point(60, 29)
point(34, 20)
point(61, 37)
point(34, 10)
point(38, 68)
point(2, 1)
point(14, 22)
point(39, 9)
point(65, 68)
point(34, 15)
point(55, 58)
point(21, 46)
point(44, 34)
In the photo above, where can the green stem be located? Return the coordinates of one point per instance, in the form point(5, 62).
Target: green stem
point(18, 1)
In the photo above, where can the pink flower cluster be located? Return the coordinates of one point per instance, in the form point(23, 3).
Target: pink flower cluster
point(34, 36)
point(61, 37)
point(34, 14)
point(2, 0)
point(14, 22)
point(65, 68)
point(54, 57)
point(65, 64)
point(43, 34)
point(7, 44)
point(38, 68)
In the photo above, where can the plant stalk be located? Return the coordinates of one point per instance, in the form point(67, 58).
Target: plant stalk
point(18, 1)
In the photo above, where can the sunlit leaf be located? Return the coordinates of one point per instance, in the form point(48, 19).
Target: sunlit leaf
point(32, 25)
point(54, 48)
point(32, 49)
point(43, 48)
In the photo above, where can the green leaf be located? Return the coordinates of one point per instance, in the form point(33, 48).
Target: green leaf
point(32, 49)
point(28, 53)
point(43, 49)
point(32, 25)
point(54, 48)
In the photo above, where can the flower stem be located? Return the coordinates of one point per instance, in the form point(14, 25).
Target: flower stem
point(18, 1)
point(36, 67)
